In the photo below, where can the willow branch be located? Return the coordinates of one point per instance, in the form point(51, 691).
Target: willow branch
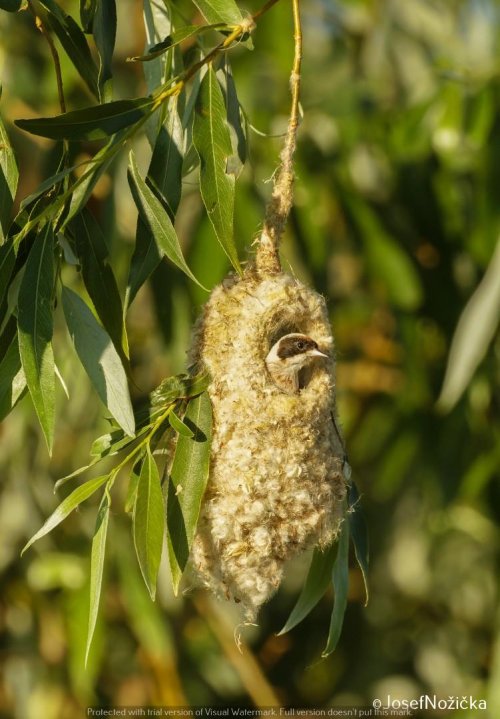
point(267, 260)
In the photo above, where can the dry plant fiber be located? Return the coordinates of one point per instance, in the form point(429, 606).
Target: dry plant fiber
point(276, 486)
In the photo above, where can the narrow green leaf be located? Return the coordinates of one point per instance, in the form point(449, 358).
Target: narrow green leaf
point(316, 584)
point(7, 262)
point(102, 445)
point(234, 120)
point(149, 522)
point(99, 279)
point(158, 221)
point(213, 144)
point(104, 31)
point(132, 486)
point(87, 12)
point(359, 535)
point(12, 379)
point(98, 166)
point(165, 169)
point(77, 496)
point(99, 359)
point(187, 483)
point(35, 324)
point(170, 41)
point(97, 566)
point(47, 184)
point(71, 38)
point(11, 5)
point(158, 25)
point(75, 473)
point(165, 175)
point(215, 11)
point(90, 123)
point(178, 386)
point(340, 579)
point(473, 335)
point(179, 426)
point(8, 181)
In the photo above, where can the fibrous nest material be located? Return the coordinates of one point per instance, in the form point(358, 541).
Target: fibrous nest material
point(276, 486)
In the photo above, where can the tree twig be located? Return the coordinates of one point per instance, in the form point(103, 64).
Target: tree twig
point(55, 55)
point(267, 260)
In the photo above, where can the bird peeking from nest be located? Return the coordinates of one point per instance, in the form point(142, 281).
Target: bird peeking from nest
point(291, 354)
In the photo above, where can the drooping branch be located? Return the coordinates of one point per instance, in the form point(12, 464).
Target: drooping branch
point(267, 259)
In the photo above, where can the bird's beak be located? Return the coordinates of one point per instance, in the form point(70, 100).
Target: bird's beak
point(317, 353)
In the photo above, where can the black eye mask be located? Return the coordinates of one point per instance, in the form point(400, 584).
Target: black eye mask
point(291, 346)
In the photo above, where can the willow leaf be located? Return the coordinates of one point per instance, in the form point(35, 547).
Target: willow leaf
point(97, 566)
point(156, 218)
point(71, 38)
point(187, 483)
point(99, 279)
point(8, 181)
point(77, 496)
point(316, 584)
point(90, 123)
point(149, 522)
point(215, 11)
point(99, 359)
point(12, 379)
point(213, 144)
point(340, 579)
point(35, 325)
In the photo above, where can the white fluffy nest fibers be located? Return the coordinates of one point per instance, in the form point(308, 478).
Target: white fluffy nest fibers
point(276, 486)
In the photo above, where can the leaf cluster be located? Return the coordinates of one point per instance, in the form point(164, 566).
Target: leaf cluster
point(179, 406)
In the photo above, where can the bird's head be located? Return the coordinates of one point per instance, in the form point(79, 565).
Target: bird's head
point(292, 352)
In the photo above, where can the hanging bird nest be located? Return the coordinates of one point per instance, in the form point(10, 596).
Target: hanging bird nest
point(276, 486)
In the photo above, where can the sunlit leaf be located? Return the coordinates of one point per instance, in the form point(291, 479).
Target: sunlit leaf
point(165, 169)
point(158, 26)
point(213, 144)
point(359, 534)
point(87, 12)
point(473, 335)
point(178, 386)
point(90, 123)
point(104, 31)
point(12, 379)
point(316, 584)
point(156, 217)
point(99, 278)
point(97, 566)
point(35, 304)
point(99, 359)
point(340, 579)
point(224, 11)
point(234, 120)
point(187, 483)
point(179, 426)
point(8, 181)
point(77, 496)
point(149, 522)
point(170, 41)
point(96, 169)
point(7, 262)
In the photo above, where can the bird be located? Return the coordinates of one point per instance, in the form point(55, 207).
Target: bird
point(288, 356)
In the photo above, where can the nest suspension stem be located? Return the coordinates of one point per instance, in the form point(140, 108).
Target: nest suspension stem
point(267, 259)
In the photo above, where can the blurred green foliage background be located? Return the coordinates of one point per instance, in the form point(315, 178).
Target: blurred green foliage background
point(396, 218)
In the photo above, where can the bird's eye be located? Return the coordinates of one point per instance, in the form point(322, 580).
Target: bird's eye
point(300, 345)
